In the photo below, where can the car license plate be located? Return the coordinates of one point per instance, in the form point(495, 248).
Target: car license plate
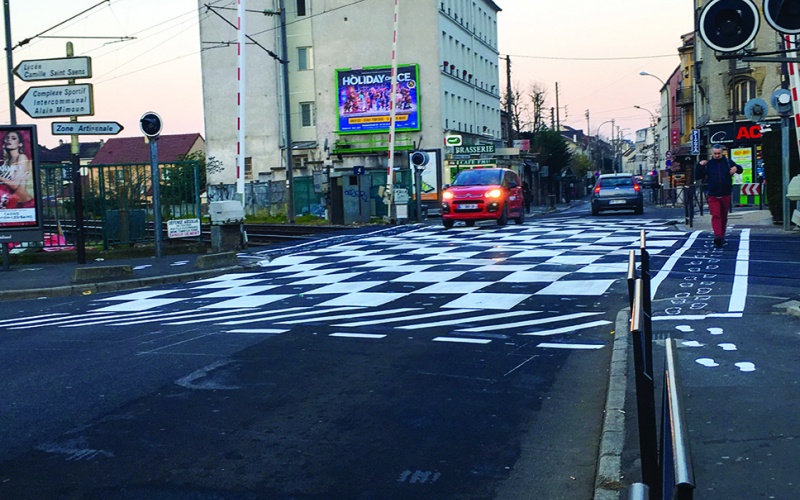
point(617, 202)
point(468, 206)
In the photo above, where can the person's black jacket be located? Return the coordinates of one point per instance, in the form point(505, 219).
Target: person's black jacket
point(716, 174)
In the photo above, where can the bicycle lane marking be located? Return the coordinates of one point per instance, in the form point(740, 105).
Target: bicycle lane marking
point(701, 278)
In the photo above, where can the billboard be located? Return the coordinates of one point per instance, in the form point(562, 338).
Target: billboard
point(19, 185)
point(364, 96)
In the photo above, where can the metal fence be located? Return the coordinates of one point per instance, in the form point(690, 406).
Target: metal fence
point(117, 201)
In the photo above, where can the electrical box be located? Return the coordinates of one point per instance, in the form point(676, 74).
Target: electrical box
point(226, 212)
point(793, 191)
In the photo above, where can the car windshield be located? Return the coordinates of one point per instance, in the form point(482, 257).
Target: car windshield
point(616, 181)
point(478, 177)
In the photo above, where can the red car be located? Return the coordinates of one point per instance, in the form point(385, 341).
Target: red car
point(483, 194)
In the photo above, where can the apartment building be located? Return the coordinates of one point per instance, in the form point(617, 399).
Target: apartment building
point(339, 56)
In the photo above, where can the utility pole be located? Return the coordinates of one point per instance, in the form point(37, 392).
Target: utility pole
point(287, 122)
point(558, 111)
point(509, 102)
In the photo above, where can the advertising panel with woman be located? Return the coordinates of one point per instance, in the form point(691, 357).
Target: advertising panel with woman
point(19, 174)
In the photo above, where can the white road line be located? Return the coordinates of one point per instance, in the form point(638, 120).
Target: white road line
point(258, 330)
point(358, 335)
point(568, 329)
point(461, 340)
point(462, 320)
point(555, 345)
point(42, 318)
point(696, 317)
point(227, 314)
point(532, 322)
point(81, 321)
point(739, 290)
point(171, 316)
point(405, 318)
point(342, 316)
point(673, 259)
point(272, 316)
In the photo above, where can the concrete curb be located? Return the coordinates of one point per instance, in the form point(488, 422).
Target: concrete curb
point(608, 483)
point(112, 286)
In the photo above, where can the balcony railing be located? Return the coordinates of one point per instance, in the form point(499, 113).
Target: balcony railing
point(684, 97)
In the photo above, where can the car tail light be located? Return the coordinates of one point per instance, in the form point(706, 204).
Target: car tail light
point(447, 195)
point(597, 188)
point(494, 193)
point(637, 187)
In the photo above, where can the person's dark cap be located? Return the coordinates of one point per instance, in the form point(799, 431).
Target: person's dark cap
point(718, 146)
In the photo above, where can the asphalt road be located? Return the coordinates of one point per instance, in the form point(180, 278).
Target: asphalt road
point(469, 363)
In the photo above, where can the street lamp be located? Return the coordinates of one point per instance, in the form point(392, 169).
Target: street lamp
point(653, 121)
point(669, 104)
point(597, 142)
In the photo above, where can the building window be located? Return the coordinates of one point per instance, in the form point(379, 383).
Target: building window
point(743, 90)
point(307, 114)
point(248, 168)
point(301, 8)
point(305, 58)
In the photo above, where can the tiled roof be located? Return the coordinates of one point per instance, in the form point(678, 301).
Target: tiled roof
point(63, 152)
point(120, 150)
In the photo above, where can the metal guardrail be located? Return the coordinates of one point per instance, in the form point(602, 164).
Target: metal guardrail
point(676, 457)
point(666, 469)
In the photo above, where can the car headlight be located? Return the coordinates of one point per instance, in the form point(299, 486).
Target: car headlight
point(495, 193)
point(447, 195)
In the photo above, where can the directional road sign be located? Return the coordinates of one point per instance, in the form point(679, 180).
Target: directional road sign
point(54, 69)
point(86, 128)
point(57, 100)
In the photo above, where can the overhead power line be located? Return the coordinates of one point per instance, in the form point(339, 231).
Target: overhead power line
point(624, 58)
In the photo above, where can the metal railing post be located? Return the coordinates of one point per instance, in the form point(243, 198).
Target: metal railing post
point(645, 397)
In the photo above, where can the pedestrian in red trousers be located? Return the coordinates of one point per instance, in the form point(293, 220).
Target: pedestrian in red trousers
point(717, 174)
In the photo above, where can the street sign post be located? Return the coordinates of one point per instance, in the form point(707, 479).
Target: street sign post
point(54, 69)
point(57, 100)
point(85, 128)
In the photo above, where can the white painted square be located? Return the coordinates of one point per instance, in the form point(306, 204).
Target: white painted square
point(385, 263)
point(608, 267)
point(447, 287)
point(364, 299)
point(429, 277)
point(430, 250)
point(576, 287)
point(325, 279)
point(247, 301)
point(291, 260)
point(345, 287)
point(296, 268)
point(533, 277)
point(539, 252)
point(506, 267)
point(237, 291)
point(224, 277)
point(451, 256)
point(138, 305)
point(140, 295)
point(575, 260)
point(480, 300)
point(230, 283)
point(412, 268)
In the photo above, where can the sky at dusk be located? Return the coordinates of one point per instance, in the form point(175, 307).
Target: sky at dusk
point(593, 49)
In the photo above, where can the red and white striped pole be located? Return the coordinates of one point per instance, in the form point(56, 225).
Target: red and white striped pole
point(240, 99)
point(790, 42)
point(392, 115)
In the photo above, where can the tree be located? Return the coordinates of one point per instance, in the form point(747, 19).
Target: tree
point(581, 165)
point(551, 150)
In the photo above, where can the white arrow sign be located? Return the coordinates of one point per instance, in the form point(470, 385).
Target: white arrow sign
point(86, 128)
point(57, 100)
point(54, 69)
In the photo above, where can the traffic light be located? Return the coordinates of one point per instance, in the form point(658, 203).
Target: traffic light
point(756, 109)
point(150, 123)
point(729, 25)
point(783, 15)
point(419, 159)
